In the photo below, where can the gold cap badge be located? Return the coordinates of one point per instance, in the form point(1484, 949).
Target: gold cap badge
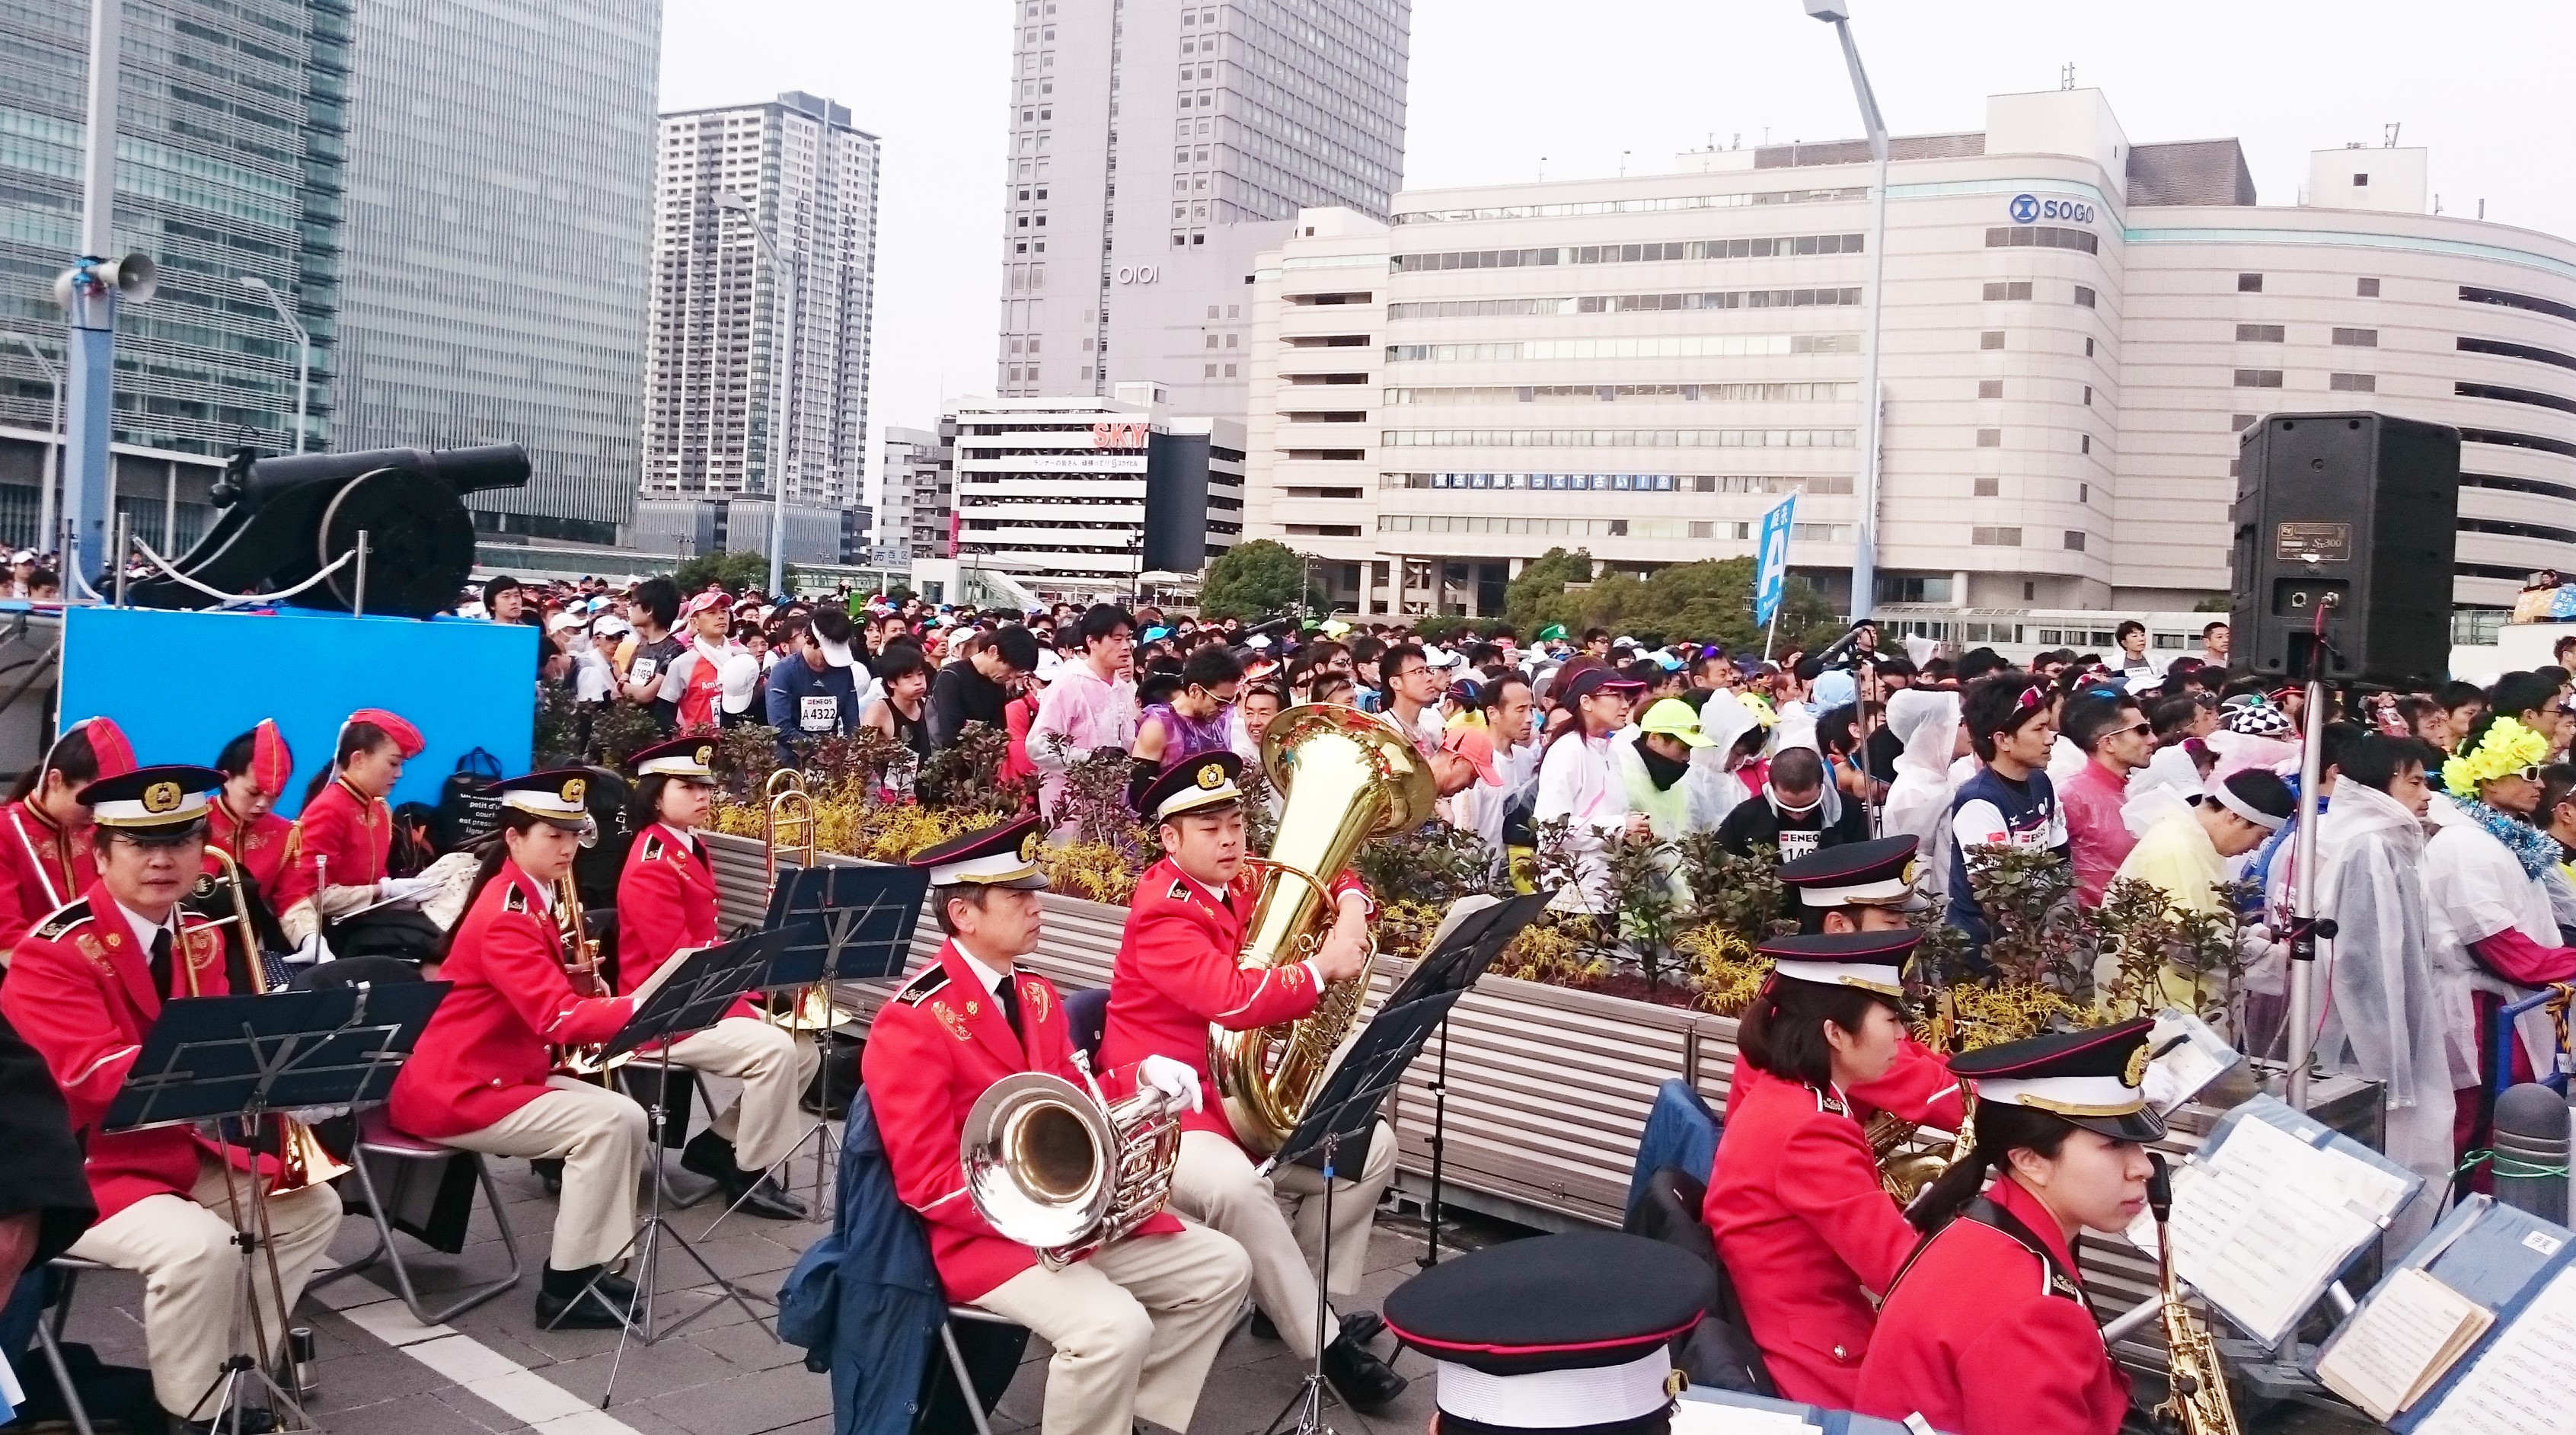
point(161, 797)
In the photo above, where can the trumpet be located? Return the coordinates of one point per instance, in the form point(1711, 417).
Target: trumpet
point(302, 1159)
point(1056, 1167)
point(581, 966)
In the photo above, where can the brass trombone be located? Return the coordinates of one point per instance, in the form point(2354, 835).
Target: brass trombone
point(301, 1157)
point(788, 827)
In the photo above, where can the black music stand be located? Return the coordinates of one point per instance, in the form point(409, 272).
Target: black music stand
point(1474, 936)
point(852, 924)
point(701, 987)
point(242, 1059)
point(1347, 1106)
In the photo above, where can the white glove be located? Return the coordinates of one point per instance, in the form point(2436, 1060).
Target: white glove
point(312, 951)
point(405, 889)
point(1175, 1080)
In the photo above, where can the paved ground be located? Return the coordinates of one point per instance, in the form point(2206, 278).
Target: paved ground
point(492, 1370)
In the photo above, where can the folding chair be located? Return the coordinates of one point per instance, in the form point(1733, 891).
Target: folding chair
point(420, 1187)
point(957, 1360)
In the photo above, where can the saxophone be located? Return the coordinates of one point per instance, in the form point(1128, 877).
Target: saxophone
point(2199, 1403)
point(1346, 776)
point(1908, 1160)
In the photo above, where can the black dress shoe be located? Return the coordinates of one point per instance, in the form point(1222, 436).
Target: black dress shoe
point(752, 1192)
point(1364, 1382)
point(766, 1198)
point(549, 1171)
point(569, 1300)
point(1262, 1326)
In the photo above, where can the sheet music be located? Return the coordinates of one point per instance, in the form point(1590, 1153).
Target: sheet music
point(2519, 1385)
point(2261, 1226)
point(2178, 1073)
point(2403, 1341)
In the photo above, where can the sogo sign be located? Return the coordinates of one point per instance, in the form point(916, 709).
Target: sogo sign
point(2030, 209)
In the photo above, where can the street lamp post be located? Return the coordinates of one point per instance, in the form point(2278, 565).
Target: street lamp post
point(304, 349)
point(1837, 13)
point(783, 354)
point(53, 443)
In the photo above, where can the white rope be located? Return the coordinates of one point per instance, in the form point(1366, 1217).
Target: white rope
point(223, 599)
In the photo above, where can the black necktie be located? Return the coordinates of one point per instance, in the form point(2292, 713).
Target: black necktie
point(1009, 992)
point(161, 961)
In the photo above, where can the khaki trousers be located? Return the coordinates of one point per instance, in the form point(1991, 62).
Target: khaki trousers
point(1134, 1328)
point(1215, 1184)
point(773, 1065)
point(191, 1270)
point(599, 1136)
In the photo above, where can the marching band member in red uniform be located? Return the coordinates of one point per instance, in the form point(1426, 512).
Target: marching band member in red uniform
point(1135, 1324)
point(84, 986)
point(1988, 1330)
point(256, 767)
point(347, 829)
point(45, 856)
point(666, 907)
point(1795, 1205)
point(1177, 973)
point(482, 1077)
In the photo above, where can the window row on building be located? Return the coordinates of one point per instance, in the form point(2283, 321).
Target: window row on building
point(1667, 346)
point(1611, 393)
point(1615, 438)
point(1663, 251)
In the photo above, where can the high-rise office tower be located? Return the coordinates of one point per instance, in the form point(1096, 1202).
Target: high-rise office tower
point(1156, 149)
point(500, 180)
point(228, 169)
point(719, 302)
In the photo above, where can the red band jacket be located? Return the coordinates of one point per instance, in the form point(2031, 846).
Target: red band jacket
point(936, 1047)
point(80, 991)
point(1176, 974)
point(345, 839)
point(1801, 1222)
point(486, 1053)
point(41, 868)
point(265, 846)
point(1983, 1338)
point(666, 904)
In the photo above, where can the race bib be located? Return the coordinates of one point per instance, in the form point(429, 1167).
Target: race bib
point(644, 669)
point(818, 712)
point(1796, 844)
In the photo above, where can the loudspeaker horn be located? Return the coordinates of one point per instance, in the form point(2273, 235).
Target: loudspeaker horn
point(135, 278)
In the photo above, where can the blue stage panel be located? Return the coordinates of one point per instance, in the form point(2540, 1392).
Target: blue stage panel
point(183, 684)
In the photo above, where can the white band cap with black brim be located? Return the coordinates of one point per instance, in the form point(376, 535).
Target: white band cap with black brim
point(2221, 794)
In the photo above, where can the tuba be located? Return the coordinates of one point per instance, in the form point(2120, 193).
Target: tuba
point(1053, 1166)
point(1346, 776)
point(581, 966)
point(302, 1159)
point(787, 828)
point(2198, 1403)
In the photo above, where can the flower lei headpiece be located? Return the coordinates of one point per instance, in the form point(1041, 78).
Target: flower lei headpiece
point(2509, 747)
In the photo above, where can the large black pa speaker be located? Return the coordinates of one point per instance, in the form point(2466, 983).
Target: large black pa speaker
point(2354, 515)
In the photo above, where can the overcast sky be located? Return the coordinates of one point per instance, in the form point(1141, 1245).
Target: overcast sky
point(1497, 84)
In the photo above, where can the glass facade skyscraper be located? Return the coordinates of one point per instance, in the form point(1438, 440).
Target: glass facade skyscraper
point(228, 165)
point(500, 233)
point(1157, 148)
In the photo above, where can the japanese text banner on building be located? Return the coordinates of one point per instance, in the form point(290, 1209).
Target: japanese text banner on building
point(1771, 578)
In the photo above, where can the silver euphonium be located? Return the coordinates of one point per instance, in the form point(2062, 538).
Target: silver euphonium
point(1056, 1167)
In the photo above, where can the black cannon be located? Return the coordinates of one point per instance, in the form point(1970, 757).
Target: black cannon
point(286, 519)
